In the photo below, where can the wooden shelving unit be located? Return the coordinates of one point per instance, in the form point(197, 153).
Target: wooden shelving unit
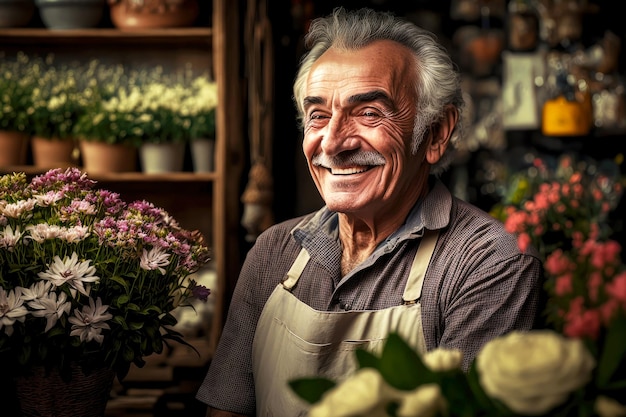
point(208, 201)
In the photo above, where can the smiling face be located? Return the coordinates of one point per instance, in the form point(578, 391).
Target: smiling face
point(358, 125)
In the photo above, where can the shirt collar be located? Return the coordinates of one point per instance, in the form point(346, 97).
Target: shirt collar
point(431, 212)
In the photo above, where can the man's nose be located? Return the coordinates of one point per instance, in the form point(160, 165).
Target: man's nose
point(339, 136)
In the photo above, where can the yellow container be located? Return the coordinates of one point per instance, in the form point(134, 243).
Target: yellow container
point(561, 117)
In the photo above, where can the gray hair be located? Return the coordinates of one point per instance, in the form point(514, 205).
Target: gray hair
point(437, 80)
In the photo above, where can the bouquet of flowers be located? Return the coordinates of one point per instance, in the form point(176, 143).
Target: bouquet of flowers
point(576, 366)
point(86, 277)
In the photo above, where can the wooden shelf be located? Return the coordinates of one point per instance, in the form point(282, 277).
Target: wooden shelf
point(123, 176)
point(41, 36)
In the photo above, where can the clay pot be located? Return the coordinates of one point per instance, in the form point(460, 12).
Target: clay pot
point(153, 14)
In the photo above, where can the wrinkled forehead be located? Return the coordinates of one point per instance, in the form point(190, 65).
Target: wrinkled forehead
point(382, 65)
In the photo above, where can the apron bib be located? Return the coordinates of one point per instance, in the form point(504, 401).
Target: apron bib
point(293, 340)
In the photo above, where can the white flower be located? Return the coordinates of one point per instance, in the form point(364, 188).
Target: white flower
point(425, 401)
point(365, 393)
point(84, 207)
point(532, 372)
point(155, 258)
point(75, 234)
point(70, 271)
point(36, 291)
point(442, 360)
point(11, 309)
point(48, 199)
point(88, 323)
point(42, 231)
point(608, 407)
point(10, 237)
point(52, 307)
point(15, 210)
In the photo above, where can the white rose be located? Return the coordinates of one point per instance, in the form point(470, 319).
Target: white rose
point(363, 394)
point(608, 407)
point(425, 401)
point(442, 360)
point(532, 372)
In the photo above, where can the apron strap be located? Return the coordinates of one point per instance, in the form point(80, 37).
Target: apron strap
point(413, 289)
point(296, 270)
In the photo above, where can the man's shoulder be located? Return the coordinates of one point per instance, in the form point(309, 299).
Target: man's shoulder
point(286, 226)
point(472, 226)
point(282, 231)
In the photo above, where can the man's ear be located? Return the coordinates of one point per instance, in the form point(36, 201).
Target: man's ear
point(440, 135)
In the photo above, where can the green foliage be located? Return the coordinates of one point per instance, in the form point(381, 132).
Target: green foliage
point(107, 103)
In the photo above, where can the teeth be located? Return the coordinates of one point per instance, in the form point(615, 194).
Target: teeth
point(347, 171)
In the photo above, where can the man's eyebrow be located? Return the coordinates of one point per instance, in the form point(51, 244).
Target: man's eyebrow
point(370, 96)
point(376, 95)
point(309, 100)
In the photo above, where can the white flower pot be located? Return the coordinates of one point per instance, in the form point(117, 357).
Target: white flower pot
point(202, 154)
point(162, 157)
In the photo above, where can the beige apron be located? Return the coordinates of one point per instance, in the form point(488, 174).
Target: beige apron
point(293, 340)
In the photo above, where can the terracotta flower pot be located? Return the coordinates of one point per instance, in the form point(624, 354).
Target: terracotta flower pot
point(52, 153)
point(153, 14)
point(13, 148)
point(99, 157)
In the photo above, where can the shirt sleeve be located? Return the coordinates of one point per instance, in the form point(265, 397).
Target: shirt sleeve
point(490, 302)
point(229, 383)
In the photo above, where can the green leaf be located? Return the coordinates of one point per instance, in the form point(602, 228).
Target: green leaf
point(402, 367)
point(121, 321)
point(135, 325)
point(613, 355)
point(168, 320)
point(121, 281)
point(121, 300)
point(481, 400)
point(128, 354)
point(311, 389)
point(132, 307)
point(366, 359)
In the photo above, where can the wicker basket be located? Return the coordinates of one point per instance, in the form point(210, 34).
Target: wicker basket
point(49, 395)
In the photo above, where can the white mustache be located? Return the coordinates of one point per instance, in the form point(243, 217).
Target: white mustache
point(348, 159)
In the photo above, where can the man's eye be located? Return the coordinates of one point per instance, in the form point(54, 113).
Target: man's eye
point(369, 112)
point(317, 116)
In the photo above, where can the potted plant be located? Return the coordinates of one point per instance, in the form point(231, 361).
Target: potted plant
point(202, 106)
point(60, 96)
point(88, 281)
point(145, 115)
point(16, 86)
point(103, 144)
